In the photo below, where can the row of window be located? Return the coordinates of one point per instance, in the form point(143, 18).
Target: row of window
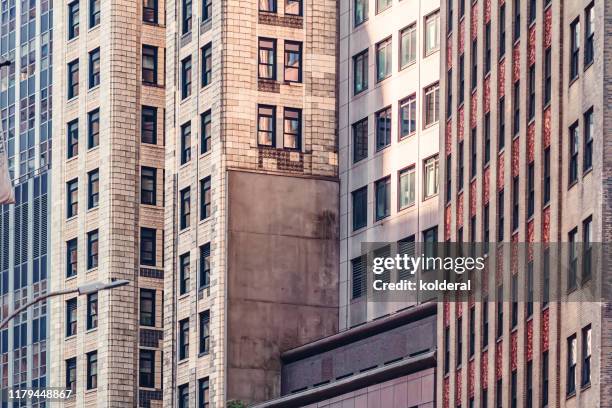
point(204, 272)
point(204, 336)
point(406, 186)
point(72, 193)
point(292, 7)
point(74, 17)
point(589, 42)
point(384, 53)
point(71, 314)
point(186, 71)
point(91, 373)
point(205, 137)
point(93, 133)
point(203, 400)
point(72, 252)
point(361, 9)
point(588, 130)
point(187, 14)
point(93, 74)
point(292, 127)
point(292, 65)
point(572, 360)
point(185, 203)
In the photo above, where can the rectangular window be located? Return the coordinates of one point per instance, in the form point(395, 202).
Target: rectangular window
point(432, 104)
point(500, 216)
point(205, 332)
point(267, 58)
point(146, 369)
point(446, 349)
point(360, 72)
point(205, 266)
point(384, 57)
point(205, 198)
point(547, 182)
point(460, 166)
point(432, 33)
point(360, 140)
point(517, 19)
point(92, 370)
point(571, 365)
point(513, 390)
point(501, 134)
point(589, 131)
point(383, 198)
point(587, 248)
point(185, 208)
point(485, 323)
point(203, 393)
point(449, 17)
point(545, 379)
point(474, 53)
point(502, 30)
point(461, 78)
point(184, 273)
point(449, 178)
point(574, 138)
point(206, 131)
point(149, 11)
point(515, 203)
point(545, 277)
point(207, 10)
point(206, 65)
point(185, 143)
point(183, 396)
point(147, 246)
point(383, 128)
point(487, 51)
point(360, 208)
point(532, 10)
point(292, 129)
point(459, 351)
point(71, 374)
point(267, 5)
point(183, 339)
point(529, 385)
point(149, 64)
point(408, 46)
point(361, 11)
point(589, 34)
point(72, 198)
point(73, 139)
point(187, 14)
point(382, 5)
point(516, 126)
point(266, 125)
point(472, 333)
point(547, 76)
point(93, 128)
point(293, 61)
point(186, 78)
point(572, 259)
point(92, 311)
point(293, 7)
point(407, 113)
point(500, 311)
point(514, 304)
point(574, 49)
point(487, 138)
point(449, 93)
point(93, 189)
point(148, 131)
point(431, 171)
point(73, 19)
point(147, 307)
point(94, 13)
point(94, 68)
point(473, 153)
point(486, 238)
point(71, 317)
point(92, 249)
point(407, 187)
point(430, 239)
point(461, 9)
point(71, 258)
point(532, 97)
point(484, 400)
point(530, 190)
point(586, 356)
point(148, 185)
point(73, 79)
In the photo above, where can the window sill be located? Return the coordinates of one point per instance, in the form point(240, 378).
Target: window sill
point(407, 66)
point(572, 184)
point(91, 391)
point(92, 330)
point(406, 208)
point(204, 354)
point(429, 197)
point(71, 218)
point(153, 85)
point(151, 206)
point(93, 89)
point(587, 172)
point(573, 80)
point(71, 278)
point(71, 337)
point(91, 270)
point(204, 221)
point(359, 230)
point(585, 387)
point(93, 149)
point(588, 65)
point(153, 24)
point(570, 395)
point(183, 296)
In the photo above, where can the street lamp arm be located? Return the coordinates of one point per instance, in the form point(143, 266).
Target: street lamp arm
point(16, 312)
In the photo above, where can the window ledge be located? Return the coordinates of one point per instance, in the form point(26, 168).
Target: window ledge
point(204, 354)
point(572, 184)
point(587, 171)
point(91, 270)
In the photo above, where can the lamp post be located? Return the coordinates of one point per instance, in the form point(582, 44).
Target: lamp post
point(86, 289)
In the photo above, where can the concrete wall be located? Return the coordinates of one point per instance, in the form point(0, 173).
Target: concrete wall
point(282, 275)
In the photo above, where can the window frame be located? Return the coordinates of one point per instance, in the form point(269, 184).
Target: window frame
point(93, 189)
point(93, 249)
point(94, 74)
point(146, 317)
point(269, 47)
point(382, 186)
point(262, 113)
point(150, 52)
point(294, 115)
point(287, 53)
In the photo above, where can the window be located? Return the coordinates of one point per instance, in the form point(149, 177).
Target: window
point(149, 64)
point(516, 127)
point(547, 76)
point(431, 176)
point(293, 61)
point(545, 277)
point(71, 317)
point(461, 9)
point(292, 128)
point(149, 11)
point(571, 365)
point(205, 198)
point(500, 216)
point(459, 351)
point(360, 208)
point(517, 19)
point(148, 185)
point(500, 311)
point(73, 79)
point(547, 184)
point(484, 398)
point(574, 49)
point(487, 138)
point(383, 128)
point(529, 385)
point(148, 131)
point(92, 370)
point(384, 58)
point(185, 215)
point(545, 379)
point(487, 51)
point(513, 390)
point(184, 273)
point(185, 142)
point(573, 145)
point(514, 304)
point(472, 334)
point(146, 369)
point(589, 34)
point(383, 198)
point(206, 129)
point(204, 266)
point(499, 400)
point(73, 139)
point(449, 178)
point(73, 20)
point(446, 349)
point(93, 189)
point(147, 246)
point(92, 311)
point(206, 10)
point(473, 153)
point(407, 187)
point(187, 14)
point(449, 93)
point(432, 33)
point(586, 356)
point(407, 116)
point(183, 339)
point(267, 5)
point(486, 234)
point(382, 5)
point(502, 30)
point(408, 46)
point(358, 273)
point(515, 203)
point(361, 11)
point(530, 190)
point(186, 78)
point(93, 128)
point(461, 78)
point(430, 239)
point(183, 396)
point(573, 259)
point(360, 72)
point(532, 10)
point(203, 393)
point(92, 249)
point(94, 68)
point(71, 374)
point(71, 258)
point(72, 198)
point(204, 332)
point(206, 64)
point(94, 13)
point(501, 142)
point(293, 7)
point(266, 128)
point(587, 248)
point(474, 63)
point(532, 97)
point(589, 131)
point(267, 58)
point(460, 166)
point(485, 323)
point(360, 140)
point(147, 307)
